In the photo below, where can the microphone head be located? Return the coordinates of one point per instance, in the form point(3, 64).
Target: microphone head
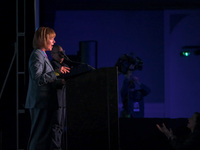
point(61, 54)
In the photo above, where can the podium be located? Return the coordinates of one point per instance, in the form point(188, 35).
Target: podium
point(92, 110)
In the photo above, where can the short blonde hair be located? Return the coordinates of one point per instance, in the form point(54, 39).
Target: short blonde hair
point(41, 36)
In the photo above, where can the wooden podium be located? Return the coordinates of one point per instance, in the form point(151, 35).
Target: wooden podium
point(92, 111)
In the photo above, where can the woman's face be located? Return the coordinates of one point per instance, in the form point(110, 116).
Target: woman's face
point(51, 41)
point(192, 122)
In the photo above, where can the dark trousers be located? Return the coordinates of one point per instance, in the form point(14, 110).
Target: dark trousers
point(58, 129)
point(46, 129)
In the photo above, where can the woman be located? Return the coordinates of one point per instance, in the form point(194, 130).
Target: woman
point(42, 95)
point(193, 140)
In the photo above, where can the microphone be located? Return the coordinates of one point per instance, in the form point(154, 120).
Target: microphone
point(62, 55)
point(73, 63)
point(66, 59)
point(76, 68)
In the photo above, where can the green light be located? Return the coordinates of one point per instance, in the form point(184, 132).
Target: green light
point(185, 53)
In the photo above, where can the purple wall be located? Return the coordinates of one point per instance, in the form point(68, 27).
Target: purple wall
point(182, 83)
point(147, 34)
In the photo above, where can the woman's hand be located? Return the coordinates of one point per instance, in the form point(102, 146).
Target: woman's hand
point(64, 70)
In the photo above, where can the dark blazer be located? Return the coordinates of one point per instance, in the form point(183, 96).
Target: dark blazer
point(61, 92)
point(42, 82)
